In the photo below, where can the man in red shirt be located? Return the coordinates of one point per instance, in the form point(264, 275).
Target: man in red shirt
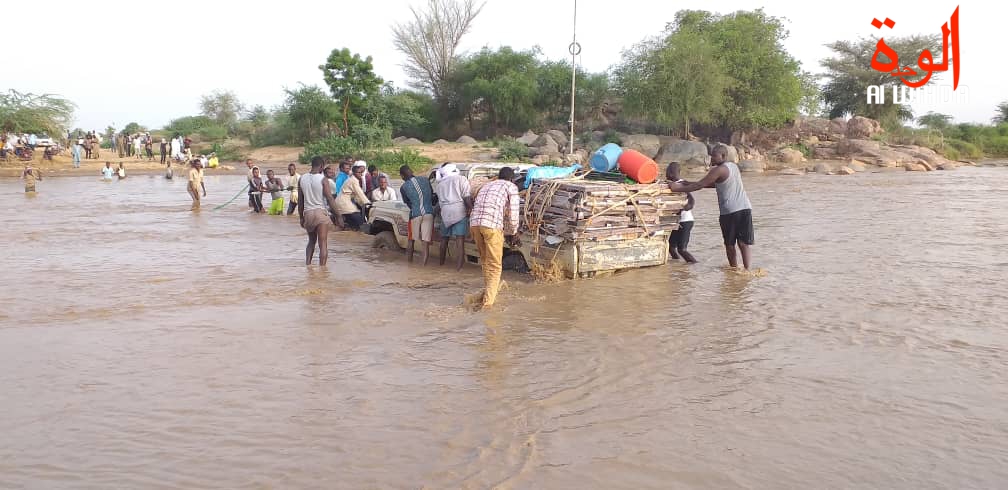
point(495, 216)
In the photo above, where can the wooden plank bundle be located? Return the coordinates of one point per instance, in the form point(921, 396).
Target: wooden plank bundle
point(578, 209)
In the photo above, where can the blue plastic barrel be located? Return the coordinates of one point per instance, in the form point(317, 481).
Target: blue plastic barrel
point(604, 159)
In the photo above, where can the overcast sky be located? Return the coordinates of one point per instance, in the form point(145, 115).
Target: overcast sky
point(125, 61)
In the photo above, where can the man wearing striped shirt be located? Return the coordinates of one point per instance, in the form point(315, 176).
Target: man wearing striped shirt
point(495, 215)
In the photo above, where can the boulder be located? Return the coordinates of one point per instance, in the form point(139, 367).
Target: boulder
point(822, 168)
point(559, 136)
point(861, 127)
point(689, 153)
point(546, 143)
point(948, 165)
point(440, 142)
point(846, 171)
point(856, 165)
point(752, 166)
point(528, 138)
point(914, 167)
point(824, 153)
point(927, 166)
point(855, 147)
point(409, 142)
point(399, 139)
point(810, 141)
point(790, 156)
point(466, 139)
point(837, 128)
point(648, 144)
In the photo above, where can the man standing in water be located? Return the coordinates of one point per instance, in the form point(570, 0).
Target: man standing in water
point(736, 211)
point(495, 216)
point(416, 192)
point(195, 184)
point(455, 199)
point(314, 193)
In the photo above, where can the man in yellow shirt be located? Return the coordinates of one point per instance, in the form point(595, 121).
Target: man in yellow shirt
point(195, 184)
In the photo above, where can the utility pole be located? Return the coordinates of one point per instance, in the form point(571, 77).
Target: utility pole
point(575, 50)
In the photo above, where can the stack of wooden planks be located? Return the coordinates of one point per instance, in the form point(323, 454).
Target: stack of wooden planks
point(578, 209)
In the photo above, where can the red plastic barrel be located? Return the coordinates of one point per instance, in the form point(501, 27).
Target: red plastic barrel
point(637, 166)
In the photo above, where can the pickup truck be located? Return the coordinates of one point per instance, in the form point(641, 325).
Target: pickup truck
point(388, 221)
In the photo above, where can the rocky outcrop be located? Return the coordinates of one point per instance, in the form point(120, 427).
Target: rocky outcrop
point(648, 144)
point(559, 136)
point(545, 143)
point(862, 127)
point(688, 153)
point(846, 171)
point(914, 167)
point(790, 156)
point(399, 139)
point(440, 142)
point(752, 166)
point(528, 138)
point(466, 139)
point(409, 142)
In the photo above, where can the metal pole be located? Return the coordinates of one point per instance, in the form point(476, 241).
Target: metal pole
point(575, 50)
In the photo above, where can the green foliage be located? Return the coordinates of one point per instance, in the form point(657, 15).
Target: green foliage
point(1002, 113)
point(501, 84)
point(29, 113)
point(188, 125)
point(674, 81)
point(765, 88)
point(213, 133)
point(510, 150)
point(223, 107)
point(811, 103)
point(310, 113)
point(951, 153)
point(351, 80)
point(133, 128)
point(390, 161)
point(996, 146)
point(966, 149)
point(849, 74)
point(226, 152)
point(334, 147)
point(804, 149)
point(401, 113)
point(934, 120)
point(338, 147)
point(368, 136)
point(554, 89)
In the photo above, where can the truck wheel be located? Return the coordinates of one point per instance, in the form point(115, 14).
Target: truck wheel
point(386, 240)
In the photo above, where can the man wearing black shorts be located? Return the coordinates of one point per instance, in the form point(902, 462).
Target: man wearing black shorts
point(736, 211)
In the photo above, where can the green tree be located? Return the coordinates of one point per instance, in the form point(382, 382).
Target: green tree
point(401, 112)
point(811, 95)
point(310, 112)
point(255, 121)
point(502, 84)
point(27, 112)
point(554, 90)
point(765, 88)
point(133, 128)
point(675, 81)
point(189, 124)
point(934, 120)
point(430, 41)
point(351, 80)
point(849, 74)
point(223, 107)
point(1002, 113)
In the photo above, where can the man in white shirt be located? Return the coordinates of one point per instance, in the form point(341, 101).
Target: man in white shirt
point(384, 192)
point(455, 200)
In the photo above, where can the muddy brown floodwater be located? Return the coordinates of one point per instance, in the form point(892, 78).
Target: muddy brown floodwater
point(142, 346)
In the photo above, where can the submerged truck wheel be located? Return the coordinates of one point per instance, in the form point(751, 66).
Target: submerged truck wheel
point(386, 240)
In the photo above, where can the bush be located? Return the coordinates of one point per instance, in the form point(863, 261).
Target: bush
point(951, 153)
point(334, 147)
point(390, 161)
point(965, 149)
point(512, 151)
point(997, 146)
point(370, 136)
point(804, 149)
point(189, 125)
point(213, 133)
point(226, 152)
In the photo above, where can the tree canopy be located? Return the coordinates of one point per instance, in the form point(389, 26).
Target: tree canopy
point(1002, 113)
point(351, 80)
point(223, 107)
point(311, 112)
point(849, 74)
point(31, 113)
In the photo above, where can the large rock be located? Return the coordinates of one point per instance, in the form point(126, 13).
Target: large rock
point(824, 152)
point(440, 142)
point(861, 127)
point(846, 171)
point(856, 165)
point(812, 127)
point(688, 153)
point(837, 128)
point(790, 156)
point(410, 142)
point(559, 136)
point(528, 138)
point(822, 168)
point(914, 167)
point(544, 143)
point(752, 166)
point(855, 147)
point(466, 139)
point(648, 144)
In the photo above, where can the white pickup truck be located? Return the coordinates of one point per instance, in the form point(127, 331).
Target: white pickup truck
point(389, 222)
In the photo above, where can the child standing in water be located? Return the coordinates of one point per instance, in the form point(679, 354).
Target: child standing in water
point(121, 172)
point(256, 188)
point(679, 239)
point(30, 177)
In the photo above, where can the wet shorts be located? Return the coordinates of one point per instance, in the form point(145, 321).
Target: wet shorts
point(422, 228)
point(679, 239)
point(737, 227)
point(458, 229)
point(314, 218)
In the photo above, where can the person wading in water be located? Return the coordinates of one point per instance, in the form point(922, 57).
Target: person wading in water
point(736, 211)
point(315, 198)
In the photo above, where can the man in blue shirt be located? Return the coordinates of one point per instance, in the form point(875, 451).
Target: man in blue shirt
point(416, 192)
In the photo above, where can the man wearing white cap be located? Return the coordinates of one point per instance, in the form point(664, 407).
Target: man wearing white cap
point(455, 201)
point(362, 179)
